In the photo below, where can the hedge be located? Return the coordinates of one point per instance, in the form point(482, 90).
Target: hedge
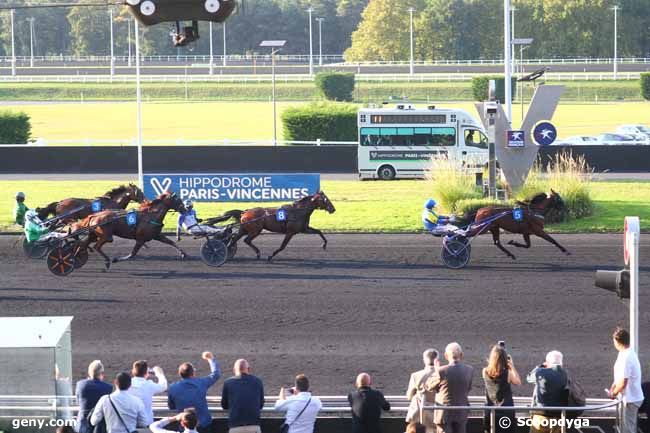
point(335, 86)
point(480, 87)
point(645, 85)
point(15, 127)
point(324, 121)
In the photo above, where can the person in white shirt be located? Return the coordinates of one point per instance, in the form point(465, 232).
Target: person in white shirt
point(145, 389)
point(122, 412)
point(300, 406)
point(188, 420)
point(627, 381)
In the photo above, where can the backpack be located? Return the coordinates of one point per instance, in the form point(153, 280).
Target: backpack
point(576, 397)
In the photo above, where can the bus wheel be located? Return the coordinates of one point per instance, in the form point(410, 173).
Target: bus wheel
point(386, 172)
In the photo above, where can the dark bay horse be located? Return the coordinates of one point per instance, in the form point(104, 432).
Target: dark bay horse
point(148, 226)
point(254, 221)
point(117, 198)
point(532, 222)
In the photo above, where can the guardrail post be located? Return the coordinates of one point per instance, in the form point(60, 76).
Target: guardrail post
point(563, 426)
point(493, 420)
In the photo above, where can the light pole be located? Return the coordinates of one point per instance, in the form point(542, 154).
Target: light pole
point(512, 37)
point(13, 45)
point(616, 9)
point(311, 48)
point(320, 40)
point(128, 23)
point(224, 43)
point(31, 41)
point(523, 43)
point(110, 14)
point(211, 52)
point(138, 97)
point(275, 47)
point(507, 51)
point(411, 64)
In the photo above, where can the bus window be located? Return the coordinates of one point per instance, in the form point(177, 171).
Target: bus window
point(443, 137)
point(369, 136)
point(475, 138)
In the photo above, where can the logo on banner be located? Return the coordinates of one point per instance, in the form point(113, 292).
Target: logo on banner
point(516, 139)
point(544, 133)
point(160, 187)
point(281, 215)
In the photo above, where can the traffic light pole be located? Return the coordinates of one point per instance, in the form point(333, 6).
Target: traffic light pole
point(632, 235)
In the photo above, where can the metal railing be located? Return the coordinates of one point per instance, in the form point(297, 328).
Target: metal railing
point(127, 142)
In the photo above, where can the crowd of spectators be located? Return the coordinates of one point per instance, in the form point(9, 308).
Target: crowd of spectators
point(127, 405)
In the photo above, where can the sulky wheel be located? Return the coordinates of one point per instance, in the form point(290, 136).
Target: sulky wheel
point(214, 252)
point(456, 252)
point(80, 257)
point(61, 261)
point(36, 249)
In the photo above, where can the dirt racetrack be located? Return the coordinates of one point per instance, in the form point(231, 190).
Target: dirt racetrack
point(370, 302)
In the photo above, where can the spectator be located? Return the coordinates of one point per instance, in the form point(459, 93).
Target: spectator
point(550, 381)
point(20, 209)
point(88, 393)
point(366, 404)
point(187, 420)
point(191, 392)
point(145, 389)
point(301, 407)
point(498, 377)
point(627, 381)
point(451, 383)
point(415, 427)
point(416, 393)
point(122, 412)
point(243, 398)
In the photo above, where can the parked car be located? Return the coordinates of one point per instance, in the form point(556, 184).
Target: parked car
point(640, 132)
point(578, 140)
point(617, 139)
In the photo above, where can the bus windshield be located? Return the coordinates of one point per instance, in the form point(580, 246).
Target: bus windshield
point(408, 136)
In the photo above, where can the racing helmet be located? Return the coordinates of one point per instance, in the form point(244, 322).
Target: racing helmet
point(20, 195)
point(188, 204)
point(430, 204)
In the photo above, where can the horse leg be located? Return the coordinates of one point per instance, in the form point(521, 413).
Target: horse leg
point(98, 248)
point(165, 240)
point(518, 245)
point(497, 242)
point(285, 242)
point(313, 231)
point(542, 234)
point(136, 248)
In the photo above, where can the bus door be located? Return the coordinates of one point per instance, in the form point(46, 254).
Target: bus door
point(473, 145)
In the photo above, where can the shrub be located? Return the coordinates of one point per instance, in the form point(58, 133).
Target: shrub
point(335, 86)
point(15, 128)
point(645, 86)
point(451, 183)
point(324, 121)
point(480, 87)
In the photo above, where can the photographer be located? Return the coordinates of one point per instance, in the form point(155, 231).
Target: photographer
point(300, 406)
point(499, 376)
point(550, 381)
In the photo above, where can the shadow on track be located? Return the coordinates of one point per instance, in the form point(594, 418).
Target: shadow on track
point(59, 300)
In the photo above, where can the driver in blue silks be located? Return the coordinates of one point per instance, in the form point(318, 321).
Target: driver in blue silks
point(436, 224)
point(191, 223)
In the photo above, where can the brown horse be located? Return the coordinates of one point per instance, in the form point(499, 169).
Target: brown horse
point(253, 221)
point(532, 222)
point(148, 226)
point(80, 208)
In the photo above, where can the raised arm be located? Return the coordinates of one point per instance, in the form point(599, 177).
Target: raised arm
point(161, 386)
point(215, 370)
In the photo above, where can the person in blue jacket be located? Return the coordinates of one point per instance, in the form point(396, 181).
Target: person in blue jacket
point(434, 223)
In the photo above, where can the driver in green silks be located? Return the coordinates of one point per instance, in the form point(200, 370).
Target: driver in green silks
point(35, 229)
point(20, 209)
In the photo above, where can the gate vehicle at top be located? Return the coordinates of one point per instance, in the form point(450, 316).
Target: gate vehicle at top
point(399, 142)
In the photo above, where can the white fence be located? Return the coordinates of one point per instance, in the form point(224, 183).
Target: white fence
point(177, 142)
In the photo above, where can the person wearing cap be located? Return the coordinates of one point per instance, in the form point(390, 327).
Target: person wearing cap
point(20, 209)
point(550, 380)
point(434, 223)
point(191, 223)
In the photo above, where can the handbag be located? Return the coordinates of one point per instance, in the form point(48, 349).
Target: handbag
point(120, 416)
point(284, 428)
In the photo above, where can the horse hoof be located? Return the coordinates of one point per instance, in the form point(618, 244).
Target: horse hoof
point(324, 247)
point(108, 264)
point(511, 242)
point(513, 257)
point(115, 260)
point(269, 258)
point(567, 253)
point(259, 256)
point(183, 256)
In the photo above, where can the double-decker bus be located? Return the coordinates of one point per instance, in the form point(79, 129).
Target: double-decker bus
point(399, 142)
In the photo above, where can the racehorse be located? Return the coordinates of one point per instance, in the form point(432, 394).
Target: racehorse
point(80, 208)
point(531, 223)
point(253, 221)
point(148, 226)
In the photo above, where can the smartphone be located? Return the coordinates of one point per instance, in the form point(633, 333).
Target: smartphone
point(502, 344)
point(289, 390)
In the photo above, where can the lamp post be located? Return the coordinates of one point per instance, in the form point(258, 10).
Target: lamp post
point(224, 43)
point(320, 40)
point(138, 97)
point(128, 42)
point(13, 45)
point(523, 43)
point(31, 41)
point(411, 63)
point(211, 70)
point(513, 57)
point(616, 9)
point(110, 14)
point(311, 48)
point(275, 47)
point(507, 51)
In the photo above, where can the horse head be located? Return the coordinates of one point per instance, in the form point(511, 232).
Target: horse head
point(135, 193)
point(321, 201)
point(173, 201)
point(555, 201)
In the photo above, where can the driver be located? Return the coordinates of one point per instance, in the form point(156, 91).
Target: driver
point(436, 224)
point(36, 229)
point(190, 223)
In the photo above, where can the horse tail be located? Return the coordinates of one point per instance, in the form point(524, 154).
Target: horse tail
point(235, 213)
point(44, 212)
